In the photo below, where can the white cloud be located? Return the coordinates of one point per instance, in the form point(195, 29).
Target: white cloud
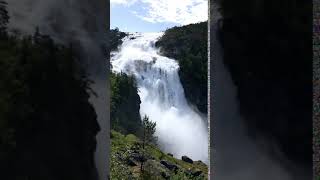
point(173, 11)
point(122, 2)
point(176, 11)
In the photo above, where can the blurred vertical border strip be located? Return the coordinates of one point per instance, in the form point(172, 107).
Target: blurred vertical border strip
point(316, 89)
point(209, 82)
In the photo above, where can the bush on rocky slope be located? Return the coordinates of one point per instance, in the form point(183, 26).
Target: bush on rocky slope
point(126, 159)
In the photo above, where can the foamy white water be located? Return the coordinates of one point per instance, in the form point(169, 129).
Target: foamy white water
point(180, 130)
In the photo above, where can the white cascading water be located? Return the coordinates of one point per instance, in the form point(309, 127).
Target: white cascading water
point(180, 129)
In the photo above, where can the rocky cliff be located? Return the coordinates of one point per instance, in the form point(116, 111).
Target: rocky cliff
point(48, 127)
point(267, 48)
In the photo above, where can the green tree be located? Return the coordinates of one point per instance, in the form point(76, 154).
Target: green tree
point(149, 128)
point(125, 104)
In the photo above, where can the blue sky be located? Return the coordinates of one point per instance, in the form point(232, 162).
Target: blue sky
point(156, 15)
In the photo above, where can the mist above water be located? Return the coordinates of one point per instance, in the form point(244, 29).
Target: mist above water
point(180, 129)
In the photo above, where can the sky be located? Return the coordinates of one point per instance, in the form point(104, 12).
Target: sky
point(156, 15)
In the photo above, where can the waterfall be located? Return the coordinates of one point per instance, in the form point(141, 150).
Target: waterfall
point(180, 129)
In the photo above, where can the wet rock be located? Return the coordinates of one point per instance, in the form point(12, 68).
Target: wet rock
point(187, 159)
point(154, 59)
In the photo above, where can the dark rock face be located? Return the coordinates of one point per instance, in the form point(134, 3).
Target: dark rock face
point(115, 39)
point(54, 123)
point(186, 159)
point(268, 51)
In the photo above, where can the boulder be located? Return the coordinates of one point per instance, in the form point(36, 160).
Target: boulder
point(193, 172)
point(138, 157)
point(197, 173)
point(165, 175)
point(187, 159)
point(156, 169)
point(169, 165)
point(199, 163)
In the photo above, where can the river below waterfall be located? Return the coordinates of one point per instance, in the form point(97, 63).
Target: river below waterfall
point(180, 129)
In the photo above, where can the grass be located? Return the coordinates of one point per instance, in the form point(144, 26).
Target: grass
point(121, 147)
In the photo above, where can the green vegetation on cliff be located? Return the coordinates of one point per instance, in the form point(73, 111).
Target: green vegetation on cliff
point(125, 104)
point(115, 38)
point(47, 125)
point(126, 160)
point(188, 45)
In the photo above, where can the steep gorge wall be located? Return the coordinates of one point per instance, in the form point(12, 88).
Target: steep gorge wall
point(267, 48)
